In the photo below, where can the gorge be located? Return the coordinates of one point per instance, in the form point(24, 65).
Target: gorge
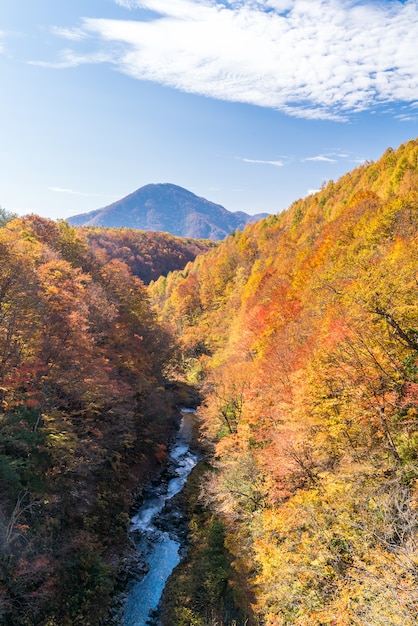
point(298, 338)
point(157, 537)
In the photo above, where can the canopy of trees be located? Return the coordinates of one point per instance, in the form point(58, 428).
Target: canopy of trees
point(147, 254)
point(302, 331)
point(83, 416)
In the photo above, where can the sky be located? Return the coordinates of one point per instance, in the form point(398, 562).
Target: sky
point(251, 104)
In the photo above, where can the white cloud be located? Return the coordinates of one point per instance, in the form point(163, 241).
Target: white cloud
point(406, 118)
point(127, 4)
point(73, 34)
point(68, 58)
point(275, 163)
point(74, 193)
point(321, 158)
point(334, 157)
point(322, 59)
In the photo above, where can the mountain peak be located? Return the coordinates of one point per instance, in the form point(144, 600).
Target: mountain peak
point(169, 208)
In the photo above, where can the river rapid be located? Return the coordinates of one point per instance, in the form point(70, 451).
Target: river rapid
point(157, 531)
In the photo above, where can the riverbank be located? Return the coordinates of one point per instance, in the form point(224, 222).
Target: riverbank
point(204, 589)
point(179, 571)
point(156, 531)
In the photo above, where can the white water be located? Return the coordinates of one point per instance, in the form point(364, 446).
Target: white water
point(159, 548)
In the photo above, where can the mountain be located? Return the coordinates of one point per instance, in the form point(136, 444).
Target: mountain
point(169, 208)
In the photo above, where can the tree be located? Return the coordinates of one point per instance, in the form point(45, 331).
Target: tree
point(6, 216)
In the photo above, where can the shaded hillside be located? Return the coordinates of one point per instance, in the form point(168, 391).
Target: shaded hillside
point(83, 419)
point(303, 333)
point(147, 254)
point(168, 208)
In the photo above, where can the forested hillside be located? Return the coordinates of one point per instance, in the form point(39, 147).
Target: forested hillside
point(147, 254)
point(301, 335)
point(302, 332)
point(84, 418)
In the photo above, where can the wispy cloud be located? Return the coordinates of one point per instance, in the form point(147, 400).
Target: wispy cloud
point(275, 163)
point(323, 59)
point(408, 114)
point(73, 34)
point(407, 118)
point(333, 157)
point(75, 193)
point(127, 4)
point(69, 58)
point(320, 158)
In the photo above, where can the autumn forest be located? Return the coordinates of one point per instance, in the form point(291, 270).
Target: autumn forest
point(297, 341)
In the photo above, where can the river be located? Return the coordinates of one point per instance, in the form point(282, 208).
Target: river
point(156, 531)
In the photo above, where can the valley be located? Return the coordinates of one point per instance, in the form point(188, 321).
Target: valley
point(296, 341)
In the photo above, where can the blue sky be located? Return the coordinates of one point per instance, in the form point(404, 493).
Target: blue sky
point(251, 104)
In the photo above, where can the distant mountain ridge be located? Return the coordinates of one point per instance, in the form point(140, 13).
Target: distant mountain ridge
point(168, 208)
